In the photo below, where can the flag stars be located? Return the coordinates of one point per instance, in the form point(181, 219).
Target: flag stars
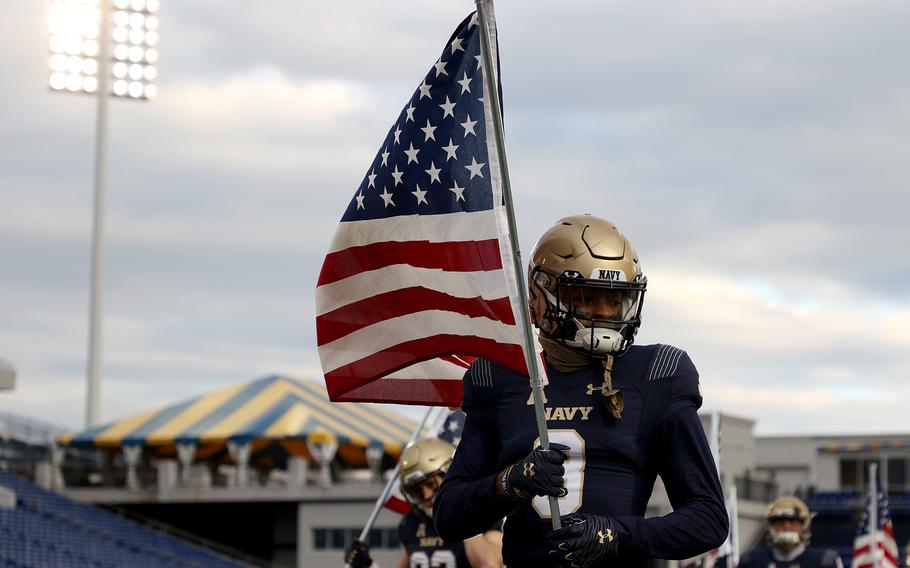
point(397, 175)
point(434, 173)
point(458, 191)
point(372, 176)
point(359, 198)
point(412, 153)
point(410, 112)
point(474, 167)
point(479, 59)
point(397, 134)
point(420, 195)
point(468, 126)
point(387, 197)
point(465, 83)
point(450, 151)
point(473, 21)
point(428, 131)
point(448, 108)
point(385, 157)
point(456, 45)
point(424, 91)
point(440, 68)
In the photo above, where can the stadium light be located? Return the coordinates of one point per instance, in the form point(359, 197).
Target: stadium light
point(102, 48)
point(77, 45)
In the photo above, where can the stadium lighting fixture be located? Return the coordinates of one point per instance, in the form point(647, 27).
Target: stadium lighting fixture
point(102, 48)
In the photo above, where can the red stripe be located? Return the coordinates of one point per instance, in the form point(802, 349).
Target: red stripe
point(429, 392)
point(467, 256)
point(864, 549)
point(398, 505)
point(363, 313)
point(387, 361)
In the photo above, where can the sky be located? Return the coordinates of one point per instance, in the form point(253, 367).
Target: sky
point(754, 152)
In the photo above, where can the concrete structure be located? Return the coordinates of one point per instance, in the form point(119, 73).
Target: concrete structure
point(7, 375)
point(819, 463)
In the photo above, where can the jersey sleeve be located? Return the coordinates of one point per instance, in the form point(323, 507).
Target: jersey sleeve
point(466, 503)
point(698, 522)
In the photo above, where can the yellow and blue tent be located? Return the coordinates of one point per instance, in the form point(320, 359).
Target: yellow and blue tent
point(276, 414)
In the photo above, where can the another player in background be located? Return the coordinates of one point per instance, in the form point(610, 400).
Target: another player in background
point(789, 520)
point(423, 465)
point(618, 416)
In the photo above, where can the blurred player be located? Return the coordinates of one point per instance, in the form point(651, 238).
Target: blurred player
point(788, 540)
point(423, 465)
point(618, 416)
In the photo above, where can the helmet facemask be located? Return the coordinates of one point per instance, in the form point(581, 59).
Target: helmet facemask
point(593, 316)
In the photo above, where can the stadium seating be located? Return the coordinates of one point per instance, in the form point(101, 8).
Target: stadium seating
point(46, 530)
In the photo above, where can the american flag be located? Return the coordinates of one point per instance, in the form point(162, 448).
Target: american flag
point(448, 427)
point(880, 551)
point(419, 277)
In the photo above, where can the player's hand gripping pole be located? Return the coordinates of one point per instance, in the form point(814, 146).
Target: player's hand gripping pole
point(490, 69)
point(390, 483)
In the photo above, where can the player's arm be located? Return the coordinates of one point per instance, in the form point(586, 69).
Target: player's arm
point(485, 550)
point(699, 520)
point(403, 561)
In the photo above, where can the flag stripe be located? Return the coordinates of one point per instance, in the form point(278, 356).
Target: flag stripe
point(405, 301)
point(397, 333)
point(442, 228)
point(363, 286)
point(385, 361)
point(446, 392)
point(454, 256)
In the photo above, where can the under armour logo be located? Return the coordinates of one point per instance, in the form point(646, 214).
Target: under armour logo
point(600, 389)
point(605, 536)
point(528, 470)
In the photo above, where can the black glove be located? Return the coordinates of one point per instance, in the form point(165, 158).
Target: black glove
point(357, 554)
point(539, 473)
point(585, 539)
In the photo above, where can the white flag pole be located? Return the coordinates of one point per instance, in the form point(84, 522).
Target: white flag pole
point(383, 497)
point(488, 30)
point(873, 512)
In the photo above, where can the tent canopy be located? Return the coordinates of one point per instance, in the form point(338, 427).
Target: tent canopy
point(268, 412)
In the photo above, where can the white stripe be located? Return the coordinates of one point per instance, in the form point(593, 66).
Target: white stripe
point(449, 227)
point(486, 284)
point(388, 333)
point(432, 369)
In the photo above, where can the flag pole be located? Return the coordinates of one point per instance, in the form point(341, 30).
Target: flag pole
point(484, 16)
point(388, 486)
point(873, 512)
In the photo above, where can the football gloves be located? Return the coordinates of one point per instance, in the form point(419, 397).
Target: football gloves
point(357, 555)
point(584, 540)
point(539, 473)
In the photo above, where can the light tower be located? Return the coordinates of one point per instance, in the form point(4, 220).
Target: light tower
point(82, 61)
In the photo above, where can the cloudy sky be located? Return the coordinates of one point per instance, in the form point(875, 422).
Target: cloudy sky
point(755, 153)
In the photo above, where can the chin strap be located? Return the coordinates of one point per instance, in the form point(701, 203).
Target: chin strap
point(612, 398)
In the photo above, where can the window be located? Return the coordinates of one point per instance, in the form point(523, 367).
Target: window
point(849, 474)
point(897, 475)
point(338, 538)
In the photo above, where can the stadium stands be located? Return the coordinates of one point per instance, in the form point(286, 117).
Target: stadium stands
point(47, 530)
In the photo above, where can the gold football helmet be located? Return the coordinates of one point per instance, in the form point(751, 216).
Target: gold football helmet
point(586, 286)
point(788, 507)
point(425, 460)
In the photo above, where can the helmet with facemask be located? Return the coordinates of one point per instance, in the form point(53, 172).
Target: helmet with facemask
point(788, 508)
point(423, 462)
point(586, 287)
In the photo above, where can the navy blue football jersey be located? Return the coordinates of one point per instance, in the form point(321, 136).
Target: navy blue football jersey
point(424, 547)
point(612, 465)
point(810, 558)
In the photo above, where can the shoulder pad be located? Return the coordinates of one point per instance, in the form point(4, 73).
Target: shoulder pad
point(830, 558)
point(480, 373)
point(665, 362)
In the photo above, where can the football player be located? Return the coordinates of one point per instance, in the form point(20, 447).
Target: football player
point(618, 415)
point(788, 539)
point(423, 465)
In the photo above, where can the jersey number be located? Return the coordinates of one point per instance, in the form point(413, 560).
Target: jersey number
point(439, 559)
point(575, 474)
